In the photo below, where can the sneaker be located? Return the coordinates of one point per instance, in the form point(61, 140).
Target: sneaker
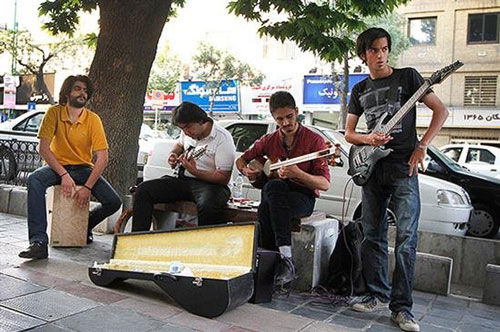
point(36, 250)
point(405, 321)
point(370, 303)
point(285, 271)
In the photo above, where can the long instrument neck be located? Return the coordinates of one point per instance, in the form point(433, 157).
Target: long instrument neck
point(406, 107)
point(304, 158)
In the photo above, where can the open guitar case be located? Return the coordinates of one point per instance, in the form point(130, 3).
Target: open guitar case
point(206, 270)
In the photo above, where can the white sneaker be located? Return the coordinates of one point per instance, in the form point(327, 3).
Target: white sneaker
point(370, 303)
point(405, 321)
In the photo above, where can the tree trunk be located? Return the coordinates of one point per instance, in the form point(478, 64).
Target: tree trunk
point(42, 86)
point(126, 48)
point(344, 90)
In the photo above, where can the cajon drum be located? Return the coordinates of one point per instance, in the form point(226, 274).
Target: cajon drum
point(67, 223)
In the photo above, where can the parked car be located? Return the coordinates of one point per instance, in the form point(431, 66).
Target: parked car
point(446, 207)
point(482, 159)
point(25, 127)
point(484, 191)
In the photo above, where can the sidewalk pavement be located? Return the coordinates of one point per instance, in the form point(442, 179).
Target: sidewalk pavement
point(56, 294)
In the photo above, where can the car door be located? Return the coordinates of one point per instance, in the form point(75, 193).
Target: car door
point(481, 160)
point(244, 135)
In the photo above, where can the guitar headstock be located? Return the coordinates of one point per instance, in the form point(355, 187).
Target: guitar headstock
point(442, 73)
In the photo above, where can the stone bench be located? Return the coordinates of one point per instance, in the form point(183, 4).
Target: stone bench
point(491, 288)
point(432, 272)
point(313, 239)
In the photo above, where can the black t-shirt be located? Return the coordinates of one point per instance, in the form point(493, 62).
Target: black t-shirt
point(386, 95)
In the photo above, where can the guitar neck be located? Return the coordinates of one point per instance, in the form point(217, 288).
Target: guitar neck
point(406, 108)
point(304, 158)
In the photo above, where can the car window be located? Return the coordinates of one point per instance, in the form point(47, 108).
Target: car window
point(31, 124)
point(452, 153)
point(480, 155)
point(245, 134)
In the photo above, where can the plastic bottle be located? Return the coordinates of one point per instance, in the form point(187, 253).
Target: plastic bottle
point(238, 187)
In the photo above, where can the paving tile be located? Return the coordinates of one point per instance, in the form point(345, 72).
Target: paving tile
point(324, 306)
point(450, 314)
point(432, 328)
point(255, 317)
point(482, 306)
point(174, 328)
point(50, 328)
point(110, 319)
point(383, 328)
point(11, 287)
point(346, 321)
point(279, 305)
point(311, 313)
point(361, 315)
point(49, 305)
point(442, 322)
point(238, 329)
point(92, 293)
point(157, 311)
point(493, 315)
point(39, 278)
point(186, 319)
point(325, 327)
point(15, 321)
point(487, 322)
point(470, 327)
point(295, 298)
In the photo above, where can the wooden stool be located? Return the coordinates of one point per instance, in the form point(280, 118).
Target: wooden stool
point(67, 223)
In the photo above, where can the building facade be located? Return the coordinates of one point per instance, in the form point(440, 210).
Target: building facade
point(442, 32)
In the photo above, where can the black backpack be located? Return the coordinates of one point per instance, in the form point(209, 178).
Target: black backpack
point(345, 271)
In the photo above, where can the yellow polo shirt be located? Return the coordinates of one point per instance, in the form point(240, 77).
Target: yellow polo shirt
point(73, 143)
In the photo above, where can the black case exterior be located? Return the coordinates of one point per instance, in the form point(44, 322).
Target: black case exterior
point(205, 297)
point(264, 276)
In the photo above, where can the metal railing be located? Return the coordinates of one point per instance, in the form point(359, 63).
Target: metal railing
point(17, 160)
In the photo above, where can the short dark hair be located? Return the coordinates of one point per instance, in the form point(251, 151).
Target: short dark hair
point(281, 99)
point(68, 85)
point(366, 39)
point(188, 112)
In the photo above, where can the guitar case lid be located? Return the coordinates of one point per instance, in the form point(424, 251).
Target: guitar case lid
point(206, 270)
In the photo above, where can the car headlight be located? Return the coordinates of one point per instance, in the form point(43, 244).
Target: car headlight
point(467, 197)
point(449, 197)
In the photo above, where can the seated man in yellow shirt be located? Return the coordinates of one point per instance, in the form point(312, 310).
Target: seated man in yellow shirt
point(69, 134)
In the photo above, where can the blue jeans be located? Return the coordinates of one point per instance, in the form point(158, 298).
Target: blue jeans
point(385, 184)
point(45, 177)
point(210, 198)
point(282, 200)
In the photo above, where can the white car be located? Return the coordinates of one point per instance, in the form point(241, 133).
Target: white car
point(446, 207)
point(482, 159)
point(25, 127)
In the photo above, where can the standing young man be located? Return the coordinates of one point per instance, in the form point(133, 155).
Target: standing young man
point(394, 177)
point(292, 193)
point(203, 181)
point(69, 135)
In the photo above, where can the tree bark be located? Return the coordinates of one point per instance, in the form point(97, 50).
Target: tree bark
point(126, 48)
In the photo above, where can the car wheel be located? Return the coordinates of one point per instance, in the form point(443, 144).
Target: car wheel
point(484, 222)
point(8, 164)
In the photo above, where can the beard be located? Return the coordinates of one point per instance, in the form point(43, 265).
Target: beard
point(74, 102)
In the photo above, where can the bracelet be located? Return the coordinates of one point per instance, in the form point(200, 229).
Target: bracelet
point(63, 174)
point(90, 189)
point(422, 147)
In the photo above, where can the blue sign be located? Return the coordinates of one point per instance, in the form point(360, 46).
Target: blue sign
point(31, 106)
point(320, 89)
point(198, 93)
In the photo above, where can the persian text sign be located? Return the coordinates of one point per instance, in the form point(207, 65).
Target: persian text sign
point(198, 93)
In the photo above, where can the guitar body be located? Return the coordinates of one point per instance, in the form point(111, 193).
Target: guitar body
point(362, 158)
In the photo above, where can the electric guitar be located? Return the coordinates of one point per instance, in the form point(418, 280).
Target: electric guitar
point(191, 154)
point(268, 166)
point(362, 158)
